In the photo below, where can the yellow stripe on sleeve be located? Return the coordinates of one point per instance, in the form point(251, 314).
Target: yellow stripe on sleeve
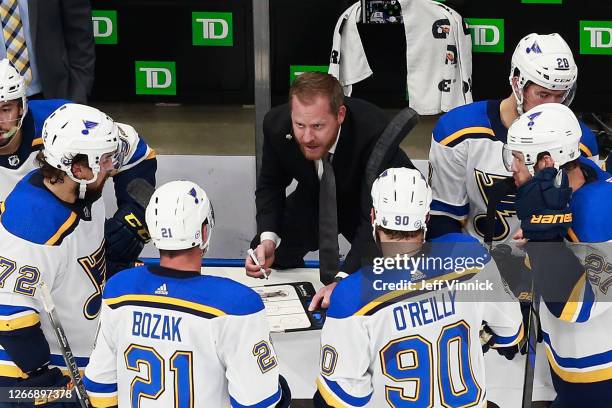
point(19, 322)
point(329, 397)
point(65, 226)
point(103, 402)
point(586, 150)
point(569, 310)
point(465, 131)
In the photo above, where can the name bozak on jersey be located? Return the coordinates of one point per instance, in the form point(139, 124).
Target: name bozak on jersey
point(466, 160)
point(385, 347)
point(44, 239)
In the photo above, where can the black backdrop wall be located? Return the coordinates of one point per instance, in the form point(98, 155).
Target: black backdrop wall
point(201, 51)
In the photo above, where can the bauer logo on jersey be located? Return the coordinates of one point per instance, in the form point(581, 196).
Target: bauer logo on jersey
point(551, 219)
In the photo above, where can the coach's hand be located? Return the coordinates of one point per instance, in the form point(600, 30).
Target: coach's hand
point(322, 297)
point(265, 257)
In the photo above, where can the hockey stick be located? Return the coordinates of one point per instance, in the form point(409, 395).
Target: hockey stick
point(73, 368)
point(397, 129)
point(497, 193)
point(140, 190)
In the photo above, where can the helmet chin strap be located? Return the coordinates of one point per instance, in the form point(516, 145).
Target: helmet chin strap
point(10, 133)
point(82, 190)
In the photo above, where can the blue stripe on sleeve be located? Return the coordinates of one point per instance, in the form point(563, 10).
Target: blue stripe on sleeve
point(502, 341)
point(8, 310)
point(458, 210)
point(344, 396)
point(263, 404)
point(94, 386)
point(579, 362)
point(141, 150)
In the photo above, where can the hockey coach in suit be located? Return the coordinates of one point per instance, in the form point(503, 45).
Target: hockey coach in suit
point(316, 128)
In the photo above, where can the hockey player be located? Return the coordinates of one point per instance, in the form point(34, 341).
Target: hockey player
point(417, 346)
point(21, 124)
point(576, 312)
point(467, 173)
point(52, 231)
point(170, 336)
point(467, 141)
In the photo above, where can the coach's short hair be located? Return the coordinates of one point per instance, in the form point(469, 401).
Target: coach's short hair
point(311, 84)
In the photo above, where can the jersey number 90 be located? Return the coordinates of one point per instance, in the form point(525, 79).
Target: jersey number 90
point(409, 360)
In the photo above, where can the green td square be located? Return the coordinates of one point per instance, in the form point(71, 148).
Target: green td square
point(542, 1)
point(487, 34)
point(596, 37)
point(104, 26)
point(297, 70)
point(212, 28)
point(155, 78)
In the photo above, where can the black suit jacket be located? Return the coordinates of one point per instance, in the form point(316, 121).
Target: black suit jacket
point(62, 34)
point(282, 161)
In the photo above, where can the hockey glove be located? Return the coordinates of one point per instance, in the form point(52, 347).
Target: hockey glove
point(125, 233)
point(542, 205)
point(46, 377)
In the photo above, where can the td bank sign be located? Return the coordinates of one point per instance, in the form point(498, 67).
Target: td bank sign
point(212, 29)
point(104, 26)
point(487, 34)
point(596, 37)
point(155, 78)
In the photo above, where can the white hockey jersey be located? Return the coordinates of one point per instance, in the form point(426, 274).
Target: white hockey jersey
point(577, 332)
point(13, 167)
point(438, 55)
point(466, 160)
point(385, 347)
point(43, 239)
point(177, 339)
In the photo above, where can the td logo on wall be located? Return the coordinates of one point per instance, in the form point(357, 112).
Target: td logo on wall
point(542, 1)
point(104, 26)
point(596, 37)
point(487, 34)
point(212, 29)
point(155, 78)
point(297, 70)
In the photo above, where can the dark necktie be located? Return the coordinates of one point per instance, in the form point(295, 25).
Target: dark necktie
point(328, 223)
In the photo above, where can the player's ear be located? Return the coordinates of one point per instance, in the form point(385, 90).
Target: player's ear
point(77, 170)
point(372, 216)
point(341, 114)
point(204, 237)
